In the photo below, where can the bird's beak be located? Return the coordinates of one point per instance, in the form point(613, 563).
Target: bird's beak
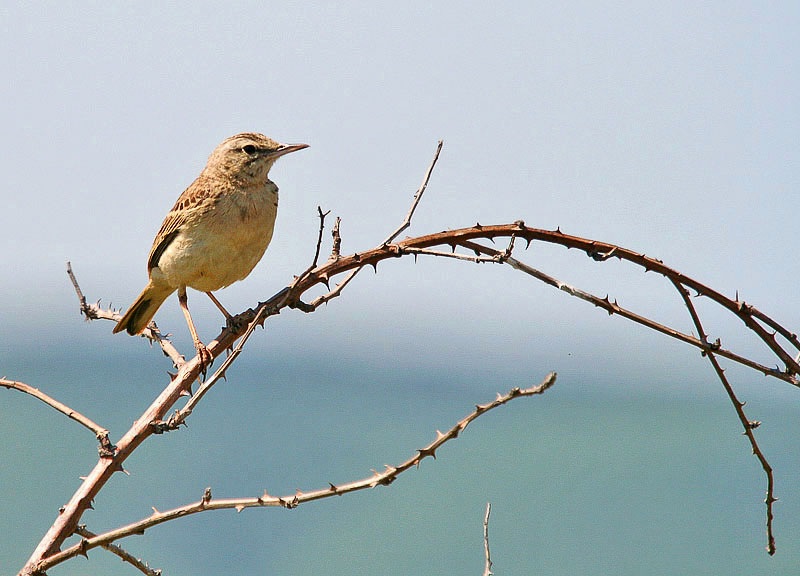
point(286, 148)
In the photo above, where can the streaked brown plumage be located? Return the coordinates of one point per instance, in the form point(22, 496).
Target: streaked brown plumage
point(216, 232)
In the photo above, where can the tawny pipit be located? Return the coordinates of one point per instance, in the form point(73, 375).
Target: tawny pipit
point(216, 233)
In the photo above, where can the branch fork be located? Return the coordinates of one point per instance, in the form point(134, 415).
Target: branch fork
point(461, 244)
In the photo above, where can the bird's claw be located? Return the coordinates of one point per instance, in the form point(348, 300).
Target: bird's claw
point(206, 358)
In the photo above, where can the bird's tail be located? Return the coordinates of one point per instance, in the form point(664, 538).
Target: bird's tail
point(142, 311)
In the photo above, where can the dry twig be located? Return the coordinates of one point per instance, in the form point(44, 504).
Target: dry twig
point(748, 425)
point(105, 449)
point(48, 553)
point(207, 503)
point(119, 551)
point(487, 569)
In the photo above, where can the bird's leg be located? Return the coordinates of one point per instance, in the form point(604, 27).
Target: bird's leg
point(205, 356)
point(229, 320)
point(219, 305)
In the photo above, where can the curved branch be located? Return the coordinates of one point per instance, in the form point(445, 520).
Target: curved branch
point(614, 308)
point(122, 554)
point(207, 503)
point(738, 406)
point(152, 420)
point(600, 251)
point(48, 553)
point(100, 433)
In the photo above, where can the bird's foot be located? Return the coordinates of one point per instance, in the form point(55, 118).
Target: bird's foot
point(206, 359)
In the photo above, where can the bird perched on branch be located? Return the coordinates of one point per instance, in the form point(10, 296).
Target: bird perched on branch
point(216, 232)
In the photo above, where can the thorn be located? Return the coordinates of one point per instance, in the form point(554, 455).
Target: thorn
point(239, 508)
point(425, 452)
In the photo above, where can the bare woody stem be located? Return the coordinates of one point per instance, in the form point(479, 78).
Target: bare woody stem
point(153, 420)
point(748, 425)
point(383, 478)
point(100, 433)
point(487, 569)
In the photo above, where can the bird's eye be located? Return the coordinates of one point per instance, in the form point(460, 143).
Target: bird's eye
point(249, 149)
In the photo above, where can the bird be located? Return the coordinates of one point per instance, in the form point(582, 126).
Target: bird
point(215, 234)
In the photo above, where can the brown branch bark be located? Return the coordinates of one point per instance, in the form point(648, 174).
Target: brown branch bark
point(96, 312)
point(154, 420)
point(100, 433)
point(207, 503)
point(123, 555)
point(487, 567)
point(748, 425)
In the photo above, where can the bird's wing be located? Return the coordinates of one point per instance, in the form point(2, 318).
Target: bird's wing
point(163, 240)
point(195, 198)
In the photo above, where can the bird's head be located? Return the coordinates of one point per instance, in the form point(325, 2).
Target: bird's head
point(248, 156)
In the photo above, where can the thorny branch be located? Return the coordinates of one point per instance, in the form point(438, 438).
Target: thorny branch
point(118, 551)
point(383, 478)
point(337, 239)
point(748, 425)
point(96, 312)
point(417, 196)
point(100, 433)
point(463, 244)
point(487, 569)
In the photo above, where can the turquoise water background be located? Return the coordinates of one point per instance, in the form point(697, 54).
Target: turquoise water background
point(598, 476)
